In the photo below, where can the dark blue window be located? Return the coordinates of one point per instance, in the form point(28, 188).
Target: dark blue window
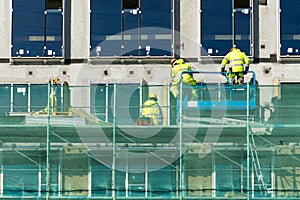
point(223, 25)
point(242, 30)
point(216, 27)
point(289, 27)
point(105, 27)
point(131, 28)
point(54, 24)
point(37, 29)
point(156, 25)
point(131, 32)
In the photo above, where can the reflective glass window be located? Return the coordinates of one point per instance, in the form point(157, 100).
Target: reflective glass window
point(289, 27)
point(156, 28)
point(162, 182)
point(289, 95)
point(20, 98)
point(131, 28)
point(38, 97)
point(105, 28)
point(127, 102)
point(101, 180)
point(242, 31)
point(131, 32)
point(224, 24)
point(216, 27)
point(19, 179)
point(5, 91)
point(37, 28)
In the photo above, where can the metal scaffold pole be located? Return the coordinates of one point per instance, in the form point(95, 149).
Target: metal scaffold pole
point(48, 175)
point(248, 146)
point(113, 168)
point(180, 145)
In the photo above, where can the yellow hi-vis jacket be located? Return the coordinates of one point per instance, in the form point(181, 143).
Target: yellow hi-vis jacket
point(152, 109)
point(237, 60)
point(53, 103)
point(178, 67)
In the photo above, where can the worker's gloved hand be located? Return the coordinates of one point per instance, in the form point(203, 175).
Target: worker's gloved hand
point(245, 72)
point(246, 69)
point(223, 71)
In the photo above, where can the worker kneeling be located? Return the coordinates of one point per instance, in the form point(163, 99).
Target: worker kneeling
point(151, 113)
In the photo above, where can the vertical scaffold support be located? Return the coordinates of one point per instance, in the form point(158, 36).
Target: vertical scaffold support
point(180, 142)
point(48, 173)
point(113, 168)
point(248, 146)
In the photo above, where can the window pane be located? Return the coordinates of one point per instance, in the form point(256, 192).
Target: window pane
point(28, 28)
point(242, 20)
point(289, 27)
point(289, 94)
point(38, 97)
point(20, 98)
point(123, 28)
point(162, 182)
point(105, 25)
point(127, 104)
point(216, 27)
point(131, 33)
point(101, 180)
point(54, 21)
point(156, 28)
point(4, 99)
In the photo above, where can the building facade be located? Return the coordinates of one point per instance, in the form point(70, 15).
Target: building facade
point(233, 142)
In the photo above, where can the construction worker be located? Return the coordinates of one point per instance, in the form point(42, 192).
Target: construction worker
point(53, 102)
point(52, 97)
point(151, 112)
point(179, 66)
point(238, 65)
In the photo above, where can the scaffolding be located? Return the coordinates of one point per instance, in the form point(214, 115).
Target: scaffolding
point(91, 149)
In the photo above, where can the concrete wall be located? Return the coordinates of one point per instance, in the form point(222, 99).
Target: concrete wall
point(189, 28)
point(80, 31)
point(268, 27)
point(5, 27)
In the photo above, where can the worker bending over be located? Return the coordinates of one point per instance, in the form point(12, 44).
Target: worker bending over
point(179, 66)
point(238, 65)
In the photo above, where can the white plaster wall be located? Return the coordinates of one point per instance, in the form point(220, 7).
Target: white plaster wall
point(189, 28)
point(80, 29)
point(268, 24)
point(5, 27)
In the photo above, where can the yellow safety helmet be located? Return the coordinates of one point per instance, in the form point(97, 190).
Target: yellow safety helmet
point(178, 62)
point(152, 95)
point(172, 61)
point(54, 80)
point(233, 48)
